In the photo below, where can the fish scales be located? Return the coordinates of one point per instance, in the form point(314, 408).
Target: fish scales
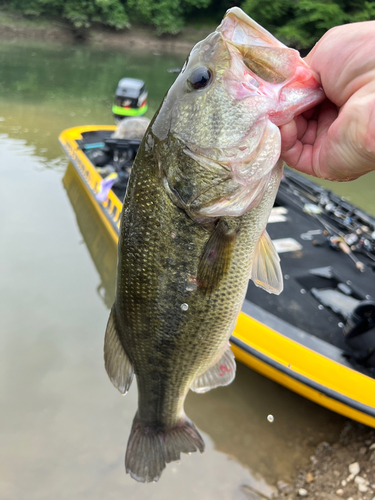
point(153, 286)
point(193, 230)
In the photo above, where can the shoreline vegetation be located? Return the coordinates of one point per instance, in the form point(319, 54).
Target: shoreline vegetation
point(169, 24)
point(15, 27)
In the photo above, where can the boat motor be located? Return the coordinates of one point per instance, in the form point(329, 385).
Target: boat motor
point(130, 99)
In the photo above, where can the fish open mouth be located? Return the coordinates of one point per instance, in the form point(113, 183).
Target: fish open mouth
point(261, 66)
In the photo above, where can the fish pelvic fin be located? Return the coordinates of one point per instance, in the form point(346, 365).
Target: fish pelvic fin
point(221, 373)
point(266, 271)
point(116, 362)
point(151, 448)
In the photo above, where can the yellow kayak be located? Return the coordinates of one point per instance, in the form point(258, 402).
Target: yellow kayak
point(317, 337)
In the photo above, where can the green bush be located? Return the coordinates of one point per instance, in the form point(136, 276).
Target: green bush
point(366, 14)
point(79, 13)
point(165, 15)
point(168, 16)
point(269, 14)
point(300, 23)
point(84, 12)
point(312, 20)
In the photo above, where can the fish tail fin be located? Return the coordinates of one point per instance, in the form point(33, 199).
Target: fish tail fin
point(151, 448)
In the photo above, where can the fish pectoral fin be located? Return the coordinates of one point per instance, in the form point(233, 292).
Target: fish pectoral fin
point(221, 373)
point(216, 257)
point(266, 271)
point(118, 366)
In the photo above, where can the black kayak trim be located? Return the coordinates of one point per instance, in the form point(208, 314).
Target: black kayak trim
point(330, 393)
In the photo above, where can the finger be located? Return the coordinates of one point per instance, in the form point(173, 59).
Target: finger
point(328, 114)
point(299, 156)
point(289, 135)
point(293, 150)
point(310, 112)
point(302, 125)
point(310, 132)
point(295, 130)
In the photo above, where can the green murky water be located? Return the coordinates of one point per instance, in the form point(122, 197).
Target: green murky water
point(64, 427)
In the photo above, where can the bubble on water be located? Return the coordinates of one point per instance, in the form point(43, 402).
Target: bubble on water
point(184, 307)
point(270, 418)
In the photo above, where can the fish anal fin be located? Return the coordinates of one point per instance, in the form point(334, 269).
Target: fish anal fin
point(216, 257)
point(266, 271)
point(221, 373)
point(117, 364)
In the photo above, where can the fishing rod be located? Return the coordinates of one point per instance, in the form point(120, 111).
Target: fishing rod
point(345, 229)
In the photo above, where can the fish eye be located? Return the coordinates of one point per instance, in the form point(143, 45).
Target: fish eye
point(200, 78)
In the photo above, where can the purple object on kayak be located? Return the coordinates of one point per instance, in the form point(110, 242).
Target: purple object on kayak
point(105, 186)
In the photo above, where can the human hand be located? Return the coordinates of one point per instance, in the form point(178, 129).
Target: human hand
point(336, 140)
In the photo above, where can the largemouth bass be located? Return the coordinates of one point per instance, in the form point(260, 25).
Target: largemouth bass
point(193, 229)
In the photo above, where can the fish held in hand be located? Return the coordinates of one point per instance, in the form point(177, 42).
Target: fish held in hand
point(193, 230)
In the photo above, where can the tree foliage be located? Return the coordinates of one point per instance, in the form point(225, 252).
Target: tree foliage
point(166, 15)
point(299, 23)
point(81, 14)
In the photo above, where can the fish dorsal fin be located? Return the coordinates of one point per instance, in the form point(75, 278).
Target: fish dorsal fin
point(266, 271)
point(220, 374)
point(118, 366)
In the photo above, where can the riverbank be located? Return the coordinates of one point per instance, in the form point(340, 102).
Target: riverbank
point(14, 27)
point(340, 470)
